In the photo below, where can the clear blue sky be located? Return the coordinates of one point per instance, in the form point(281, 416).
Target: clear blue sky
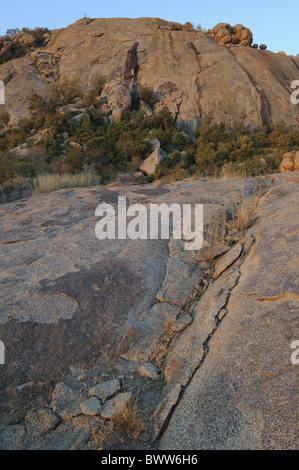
point(274, 23)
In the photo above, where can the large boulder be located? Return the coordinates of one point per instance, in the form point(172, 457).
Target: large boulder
point(187, 27)
point(149, 166)
point(244, 35)
point(290, 162)
point(223, 36)
point(220, 26)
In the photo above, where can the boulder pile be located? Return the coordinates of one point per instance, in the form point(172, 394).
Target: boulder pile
point(227, 35)
point(17, 45)
point(116, 97)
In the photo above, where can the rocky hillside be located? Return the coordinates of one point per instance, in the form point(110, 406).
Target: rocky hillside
point(192, 72)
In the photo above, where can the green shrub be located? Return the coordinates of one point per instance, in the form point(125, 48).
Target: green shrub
point(147, 95)
point(6, 171)
point(65, 90)
point(132, 144)
point(4, 117)
point(12, 31)
point(163, 120)
point(176, 27)
point(74, 159)
point(42, 106)
point(98, 83)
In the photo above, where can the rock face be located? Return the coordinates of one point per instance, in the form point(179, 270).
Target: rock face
point(236, 83)
point(204, 337)
point(75, 296)
point(40, 422)
point(20, 78)
point(290, 162)
point(241, 391)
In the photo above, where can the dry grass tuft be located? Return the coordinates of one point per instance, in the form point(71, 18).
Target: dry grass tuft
point(230, 224)
point(244, 211)
point(99, 437)
point(228, 172)
point(48, 182)
point(129, 420)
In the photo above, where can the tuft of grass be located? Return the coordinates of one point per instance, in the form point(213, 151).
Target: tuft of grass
point(244, 211)
point(229, 229)
point(228, 171)
point(100, 437)
point(176, 174)
point(129, 420)
point(16, 184)
point(52, 182)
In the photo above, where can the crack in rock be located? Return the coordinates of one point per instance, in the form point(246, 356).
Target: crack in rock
point(191, 347)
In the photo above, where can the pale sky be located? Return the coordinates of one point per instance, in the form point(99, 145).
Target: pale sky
point(274, 23)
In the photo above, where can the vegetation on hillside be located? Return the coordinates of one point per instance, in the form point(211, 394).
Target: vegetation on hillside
point(95, 146)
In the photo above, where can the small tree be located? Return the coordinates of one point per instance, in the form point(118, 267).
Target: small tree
point(163, 120)
point(12, 31)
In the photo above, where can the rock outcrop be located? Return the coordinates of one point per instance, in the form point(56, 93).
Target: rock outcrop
point(188, 70)
point(225, 34)
point(117, 97)
point(187, 27)
point(19, 44)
